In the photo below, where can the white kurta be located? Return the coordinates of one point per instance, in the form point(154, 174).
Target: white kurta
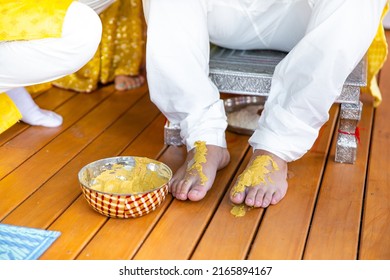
point(31, 62)
point(325, 39)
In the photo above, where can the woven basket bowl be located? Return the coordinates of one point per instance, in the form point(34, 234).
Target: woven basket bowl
point(124, 205)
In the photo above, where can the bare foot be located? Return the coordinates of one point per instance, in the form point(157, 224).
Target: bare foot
point(123, 82)
point(194, 178)
point(263, 182)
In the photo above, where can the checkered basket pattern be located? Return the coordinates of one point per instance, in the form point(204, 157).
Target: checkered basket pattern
point(125, 206)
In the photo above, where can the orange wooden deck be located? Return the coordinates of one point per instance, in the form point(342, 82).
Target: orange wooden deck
point(331, 211)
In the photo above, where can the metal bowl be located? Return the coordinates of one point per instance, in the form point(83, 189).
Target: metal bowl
point(123, 203)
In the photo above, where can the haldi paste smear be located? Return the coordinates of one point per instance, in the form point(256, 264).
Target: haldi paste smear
point(124, 179)
point(199, 158)
point(257, 173)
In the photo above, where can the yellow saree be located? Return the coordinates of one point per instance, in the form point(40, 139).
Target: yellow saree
point(121, 50)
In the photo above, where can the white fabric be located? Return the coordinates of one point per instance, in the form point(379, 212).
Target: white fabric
point(32, 62)
point(98, 6)
point(325, 39)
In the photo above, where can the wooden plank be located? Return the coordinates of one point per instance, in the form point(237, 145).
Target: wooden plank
point(78, 225)
point(49, 100)
point(147, 146)
point(375, 237)
point(228, 237)
point(23, 146)
point(54, 98)
point(185, 221)
point(335, 228)
point(17, 186)
point(65, 184)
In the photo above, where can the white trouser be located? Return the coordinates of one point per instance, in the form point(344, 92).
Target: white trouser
point(31, 62)
point(325, 39)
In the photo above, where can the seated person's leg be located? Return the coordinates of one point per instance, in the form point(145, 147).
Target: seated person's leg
point(304, 87)
point(177, 69)
point(30, 111)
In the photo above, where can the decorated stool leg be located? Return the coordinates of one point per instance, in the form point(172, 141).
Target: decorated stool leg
point(348, 133)
point(172, 134)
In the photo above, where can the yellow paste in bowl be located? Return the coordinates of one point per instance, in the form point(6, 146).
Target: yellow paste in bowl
point(128, 179)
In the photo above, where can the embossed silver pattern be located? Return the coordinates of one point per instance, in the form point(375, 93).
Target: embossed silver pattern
point(346, 148)
point(249, 72)
point(172, 134)
point(351, 111)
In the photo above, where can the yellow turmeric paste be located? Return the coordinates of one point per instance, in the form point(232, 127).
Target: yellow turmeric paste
point(128, 179)
point(199, 158)
point(257, 173)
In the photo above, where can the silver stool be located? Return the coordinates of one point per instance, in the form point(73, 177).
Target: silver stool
point(250, 73)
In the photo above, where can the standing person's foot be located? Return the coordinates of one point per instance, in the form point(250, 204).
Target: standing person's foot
point(123, 82)
point(263, 182)
point(196, 176)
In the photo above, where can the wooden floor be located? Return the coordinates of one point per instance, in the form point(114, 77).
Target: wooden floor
point(331, 211)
